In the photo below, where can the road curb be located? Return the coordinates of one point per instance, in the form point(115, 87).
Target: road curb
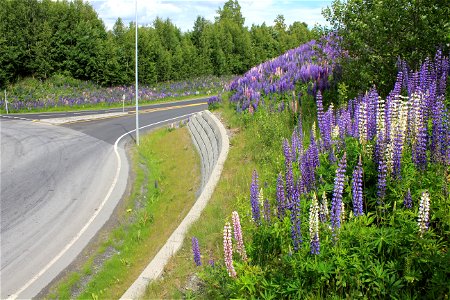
point(211, 166)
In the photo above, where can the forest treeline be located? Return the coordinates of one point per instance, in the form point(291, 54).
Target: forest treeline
point(40, 38)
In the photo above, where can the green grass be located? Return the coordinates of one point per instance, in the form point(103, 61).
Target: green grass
point(167, 176)
point(250, 147)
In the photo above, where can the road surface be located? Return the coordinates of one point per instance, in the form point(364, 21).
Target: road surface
point(59, 185)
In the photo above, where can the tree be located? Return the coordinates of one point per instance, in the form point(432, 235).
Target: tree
point(231, 11)
point(281, 34)
point(298, 34)
point(376, 33)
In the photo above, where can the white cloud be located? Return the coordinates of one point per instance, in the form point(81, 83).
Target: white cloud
point(184, 12)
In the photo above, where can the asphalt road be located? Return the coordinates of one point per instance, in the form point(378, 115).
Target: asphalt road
point(59, 185)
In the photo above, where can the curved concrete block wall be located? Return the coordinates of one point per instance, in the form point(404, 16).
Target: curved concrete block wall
point(206, 137)
point(211, 140)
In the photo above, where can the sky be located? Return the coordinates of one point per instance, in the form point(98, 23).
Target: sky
point(184, 12)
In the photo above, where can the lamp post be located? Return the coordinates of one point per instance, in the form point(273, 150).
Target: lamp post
point(137, 102)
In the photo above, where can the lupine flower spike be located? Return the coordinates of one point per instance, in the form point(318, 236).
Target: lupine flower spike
point(267, 211)
point(424, 213)
point(314, 226)
point(228, 250)
point(196, 252)
point(336, 204)
point(407, 201)
point(254, 198)
point(357, 190)
point(238, 235)
point(324, 213)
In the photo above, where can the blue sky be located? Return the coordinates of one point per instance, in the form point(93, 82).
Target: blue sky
point(184, 12)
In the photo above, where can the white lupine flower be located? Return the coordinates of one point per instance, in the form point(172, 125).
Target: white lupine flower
point(335, 132)
point(403, 120)
point(416, 114)
point(324, 212)
point(380, 118)
point(314, 225)
point(342, 212)
point(424, 213)
point(314, 128)
point(261, 197)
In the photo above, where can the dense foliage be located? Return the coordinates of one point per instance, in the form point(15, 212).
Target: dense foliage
point(377, 33)
point(358, 207)
point(41, 38)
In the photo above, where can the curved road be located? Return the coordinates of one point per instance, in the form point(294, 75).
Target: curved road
point(59, 180)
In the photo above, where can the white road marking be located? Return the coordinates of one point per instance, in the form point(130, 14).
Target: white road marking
point(85, 227)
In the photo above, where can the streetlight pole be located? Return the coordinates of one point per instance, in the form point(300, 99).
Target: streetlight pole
point(137, 102)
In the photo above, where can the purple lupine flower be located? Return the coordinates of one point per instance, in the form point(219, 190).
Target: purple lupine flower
point(355, 118)
point(314, 153)
point(336, 203)
point(196, 252)
point(267, 211)
point(371, 115)
point(281, 200)
point(314, 226)
point(308, 170)
point(254, 198)
point(288, 170)
point(343, 123)
point(438, 133)
point(424, 213)
point(328, 123)
point(407, 201)
point(420, 148)
point(296, 145)
point(296, 233)
point(238, 235)
point(211, 262)
point(357, 189)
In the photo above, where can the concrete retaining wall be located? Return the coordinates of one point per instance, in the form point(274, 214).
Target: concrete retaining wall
point(206, 137)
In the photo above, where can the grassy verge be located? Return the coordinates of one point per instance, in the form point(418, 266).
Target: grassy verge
point(251, 146)
point(62, 93)
point(167, 178)
point(99, 106)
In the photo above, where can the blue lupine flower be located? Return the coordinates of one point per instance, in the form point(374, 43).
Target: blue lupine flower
point(254, 198)
point(407, 201)
point(336, 203)
point(357, 190)
point(196, 251)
